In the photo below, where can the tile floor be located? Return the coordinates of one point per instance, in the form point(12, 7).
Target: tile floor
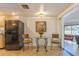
point(72, 48)
point(56, 51)
point(30, 52)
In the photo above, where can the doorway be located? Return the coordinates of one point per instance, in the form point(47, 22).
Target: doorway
point(70, 41)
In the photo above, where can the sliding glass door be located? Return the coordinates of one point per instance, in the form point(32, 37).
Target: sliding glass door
point(68, 30)
point(71, 31)
point(74, 29)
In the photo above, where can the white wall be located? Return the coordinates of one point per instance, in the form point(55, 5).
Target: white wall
point(29, 24)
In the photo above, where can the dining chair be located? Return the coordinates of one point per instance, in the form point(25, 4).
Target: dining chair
point(27, 41)
point(55, 40)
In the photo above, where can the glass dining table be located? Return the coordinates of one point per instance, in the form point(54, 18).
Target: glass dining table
point(40, 41)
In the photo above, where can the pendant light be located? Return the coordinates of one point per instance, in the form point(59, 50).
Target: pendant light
point(41, 12)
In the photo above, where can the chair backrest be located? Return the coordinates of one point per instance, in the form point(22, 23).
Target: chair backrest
point(26, 35)
point(55, 38)
point(55, 35)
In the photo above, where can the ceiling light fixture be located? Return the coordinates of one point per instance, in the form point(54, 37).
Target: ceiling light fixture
point(13, 13)
point(41, 12)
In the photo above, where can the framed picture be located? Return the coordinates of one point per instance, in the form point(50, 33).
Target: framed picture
point(40, 26)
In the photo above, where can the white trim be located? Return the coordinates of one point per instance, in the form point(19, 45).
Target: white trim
point(67, 10)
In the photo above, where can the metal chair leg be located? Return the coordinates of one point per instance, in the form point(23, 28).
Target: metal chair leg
point(23, 48)
point(32, 43)
point(51, 46)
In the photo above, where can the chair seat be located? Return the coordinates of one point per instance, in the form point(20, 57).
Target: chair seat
point(55, 41)
point(27, 41)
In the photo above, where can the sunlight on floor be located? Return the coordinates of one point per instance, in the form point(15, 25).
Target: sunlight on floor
point(30, 52)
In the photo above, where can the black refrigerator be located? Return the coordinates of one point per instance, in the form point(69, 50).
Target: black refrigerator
point(14, 29)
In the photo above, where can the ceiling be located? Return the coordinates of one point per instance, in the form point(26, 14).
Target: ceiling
point(53, 9)
point(73, 16)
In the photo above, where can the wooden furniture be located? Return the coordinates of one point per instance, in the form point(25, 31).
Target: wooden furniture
point(2, 40)
point(38, 45)
point(13, 34)
point(55, 40)
point(27, 41)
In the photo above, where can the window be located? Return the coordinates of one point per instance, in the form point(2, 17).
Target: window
point(2, 30)
point(68, 30)
point(74, 30)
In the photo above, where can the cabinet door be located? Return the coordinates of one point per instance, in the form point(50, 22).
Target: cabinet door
point(8, 39)
point(1, 41)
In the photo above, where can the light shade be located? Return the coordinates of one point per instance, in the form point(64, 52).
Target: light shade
point(13, 13)
point(41, 13)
